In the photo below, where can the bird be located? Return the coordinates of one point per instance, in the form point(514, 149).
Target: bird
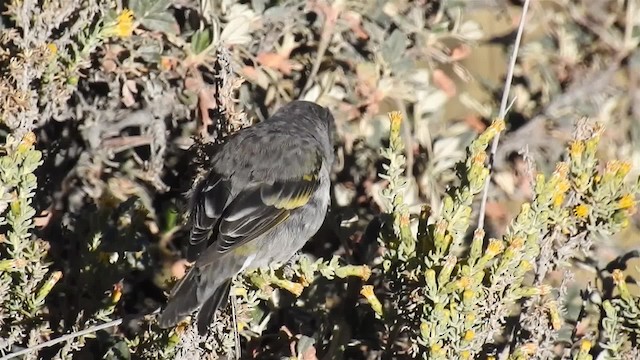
point(267, 192)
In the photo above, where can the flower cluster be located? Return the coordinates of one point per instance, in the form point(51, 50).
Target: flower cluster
point(451, 294)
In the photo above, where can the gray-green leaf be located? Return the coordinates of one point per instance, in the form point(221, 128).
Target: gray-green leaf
point(153, 15)
point(394, 47)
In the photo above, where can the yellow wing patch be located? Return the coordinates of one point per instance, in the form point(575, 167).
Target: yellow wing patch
point(296, 200)
point(245, 250)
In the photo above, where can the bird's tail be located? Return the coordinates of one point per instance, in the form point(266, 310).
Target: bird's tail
point(205, 287)
point(207, 313)
point(183, 300)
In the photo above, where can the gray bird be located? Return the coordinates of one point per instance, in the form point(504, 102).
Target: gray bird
point(266, 194)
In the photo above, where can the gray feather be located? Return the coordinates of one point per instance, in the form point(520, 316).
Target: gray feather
point(267, 191)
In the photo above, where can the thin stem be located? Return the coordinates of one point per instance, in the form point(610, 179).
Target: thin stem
point(503, 109)
point(63, 338)
point(76, 334)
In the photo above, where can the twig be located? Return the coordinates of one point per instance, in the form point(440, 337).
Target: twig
point(503, 110)
point(63, 338)
point(76, 334)
point(331, 16)
point(628, 24)
point(123, 143)
point(236, 334)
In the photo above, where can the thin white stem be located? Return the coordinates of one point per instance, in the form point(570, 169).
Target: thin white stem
point(63, 338)
point(503, 110)
point(234, 314)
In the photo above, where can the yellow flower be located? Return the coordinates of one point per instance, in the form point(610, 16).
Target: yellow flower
point(116, 294)
point(446, 313)
point(425, 328)
point(464, 282)
point(181, 327)
point(480, 158)
point(498, 125)
point(495, 247)
point(124, 24)
point(624, 168)
point(554, 314)
point(469, 335)
point(241, 325)
point(525, 266)
point(376, 305)
point(619, 280)
point(592, 144)
point(517, 243)
point(618, 276)
point(585, 346)
point(563, 186)
point(576, 148)
point(581, 211)
point(53, 49)
point(470, 318)
point(626, 202)
point(436, 350)
point(396, 121)
point(558, 199)
point(625, 223)
point(468, 295)
point(27, 142)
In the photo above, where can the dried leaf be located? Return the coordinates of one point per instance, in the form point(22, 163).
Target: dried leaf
point(444, 83)
point(128, 89)
point(460, 52)
point(354, 20)
point(277, 62)
point(306, 349)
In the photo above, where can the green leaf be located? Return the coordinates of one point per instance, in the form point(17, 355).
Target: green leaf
point(153, 15)
point(201, 40)
point(32, 161)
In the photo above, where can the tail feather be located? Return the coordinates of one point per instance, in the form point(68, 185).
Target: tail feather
point(183, 300)
point(207, 313)
point(206, 286)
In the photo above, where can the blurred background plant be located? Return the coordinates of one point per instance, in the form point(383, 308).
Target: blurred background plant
point(110, 109)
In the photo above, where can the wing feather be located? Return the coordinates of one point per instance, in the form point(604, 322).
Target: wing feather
point(218, 220)
point(262, 206)
point(210, 200)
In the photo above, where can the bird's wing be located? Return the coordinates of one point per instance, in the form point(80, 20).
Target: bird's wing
point(263, 205)
point(257, 208)
point(210, 200)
